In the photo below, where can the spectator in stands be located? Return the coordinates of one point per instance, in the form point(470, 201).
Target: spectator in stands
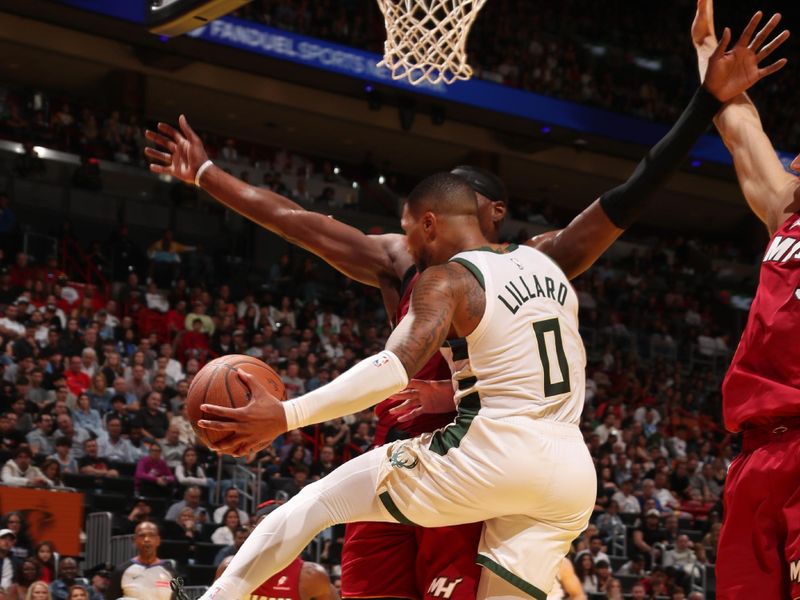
point(139, 442)
point(187, 435)
point(139, 578)
point(152, 472)
point(191, 499)
point(595, 550)
point(67, 572)
point(8, 563)
point(45, 559)
point(76, 435)
point(40, 439)
point(239, 537)
point(199, 314)
point(26, 574)
point(610, 524)
point(137, 385)
point(91, 463)
point(634, 567)
point(52, 470)
point(186, 526)
point(99, 394)
point(22, 544)
point(646, 534)
point(194, 343)
point(63, 455)
point(585, 571)
point(232, 499)
point(656, 584)
point(628, 503)
point(18, 471)
point(85, 416)
point(38, 590)
point(614, 590)
point(638, 592)
point(224, 534)
point(172, 447)
point(99, 584)
point(10, 437)
point(10, 324)
point(682, 557)
point(189, 472)
point(77, 381)
point(153, 416)
point(325, 464)
point(114, 447)
point(603, 573)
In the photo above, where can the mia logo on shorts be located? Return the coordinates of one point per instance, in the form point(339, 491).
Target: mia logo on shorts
point(443, 587)
point(794, 571)
point(400, 461)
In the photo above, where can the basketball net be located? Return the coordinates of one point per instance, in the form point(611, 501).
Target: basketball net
point(426, 40)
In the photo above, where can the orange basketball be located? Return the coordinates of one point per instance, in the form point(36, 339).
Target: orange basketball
point(218, 383)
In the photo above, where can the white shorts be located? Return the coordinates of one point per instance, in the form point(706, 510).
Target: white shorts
point(531, 481)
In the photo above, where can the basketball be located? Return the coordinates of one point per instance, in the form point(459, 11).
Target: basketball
point(218, 383)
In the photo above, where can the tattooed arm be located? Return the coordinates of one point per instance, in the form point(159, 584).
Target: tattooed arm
point(444, 295)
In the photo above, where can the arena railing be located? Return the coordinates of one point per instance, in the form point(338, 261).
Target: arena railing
point(98, 539)
point(122, 549)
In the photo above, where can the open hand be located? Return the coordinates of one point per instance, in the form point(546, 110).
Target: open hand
point(178, 153)
point(731, 72)
point(252, 427)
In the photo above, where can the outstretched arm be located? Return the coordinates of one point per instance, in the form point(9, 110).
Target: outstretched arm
point(768, 188)
point(437, 295)
point(576, 247)
point(368, 259)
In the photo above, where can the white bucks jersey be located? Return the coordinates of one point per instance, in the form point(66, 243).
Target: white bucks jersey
point(526, 356)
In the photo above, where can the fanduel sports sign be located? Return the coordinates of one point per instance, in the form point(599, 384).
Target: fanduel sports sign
point(350, 62)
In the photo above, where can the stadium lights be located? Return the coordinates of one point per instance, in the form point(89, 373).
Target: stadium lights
point(355, 185)
point(381, 179)
point(336, 170)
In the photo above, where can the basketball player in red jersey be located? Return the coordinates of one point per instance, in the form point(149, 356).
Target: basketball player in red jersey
point(299, 581)
point(379, 559)
point(759, 547)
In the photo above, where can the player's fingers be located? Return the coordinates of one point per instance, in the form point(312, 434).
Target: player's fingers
point(773, 45)
point(724, 42)
point(251, 383)
point(170, 131)
point(223, 412)
point(409, 416)
point(762, 35)
point(773, 68)
point(401, 408)
point(187, 131)
point(154, 154)
point(747, 34)
point(160, 140)
point(219, 425)
point(159, 169)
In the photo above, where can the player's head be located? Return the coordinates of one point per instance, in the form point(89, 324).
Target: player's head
point(437, 213)
point(492, 198)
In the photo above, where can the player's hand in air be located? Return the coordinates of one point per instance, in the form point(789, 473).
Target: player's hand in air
point(422, 397)
point(177, 153)
point(732, 71)
point(704, 35)
point(252, 427)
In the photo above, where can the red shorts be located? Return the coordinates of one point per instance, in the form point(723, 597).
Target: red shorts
point(759, 546)
point(388, 560)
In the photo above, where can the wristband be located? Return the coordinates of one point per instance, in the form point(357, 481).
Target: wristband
point(202, 170)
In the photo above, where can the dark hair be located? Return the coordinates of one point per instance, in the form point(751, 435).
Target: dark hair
point(483, 182)
point(444, 193)
point(63, 441)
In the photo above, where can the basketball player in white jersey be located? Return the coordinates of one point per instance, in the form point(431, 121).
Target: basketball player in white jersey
point(514, 457)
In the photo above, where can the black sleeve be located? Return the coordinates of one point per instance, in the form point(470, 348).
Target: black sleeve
point(625, 203)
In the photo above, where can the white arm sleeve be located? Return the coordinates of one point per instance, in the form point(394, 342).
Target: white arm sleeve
point(369, 382)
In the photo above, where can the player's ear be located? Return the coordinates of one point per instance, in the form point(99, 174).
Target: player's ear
point(498, 211)
point(429, 223)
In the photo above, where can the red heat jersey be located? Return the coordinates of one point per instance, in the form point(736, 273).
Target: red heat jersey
point(436, 368)
point(284, 585)
point(763, 381)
